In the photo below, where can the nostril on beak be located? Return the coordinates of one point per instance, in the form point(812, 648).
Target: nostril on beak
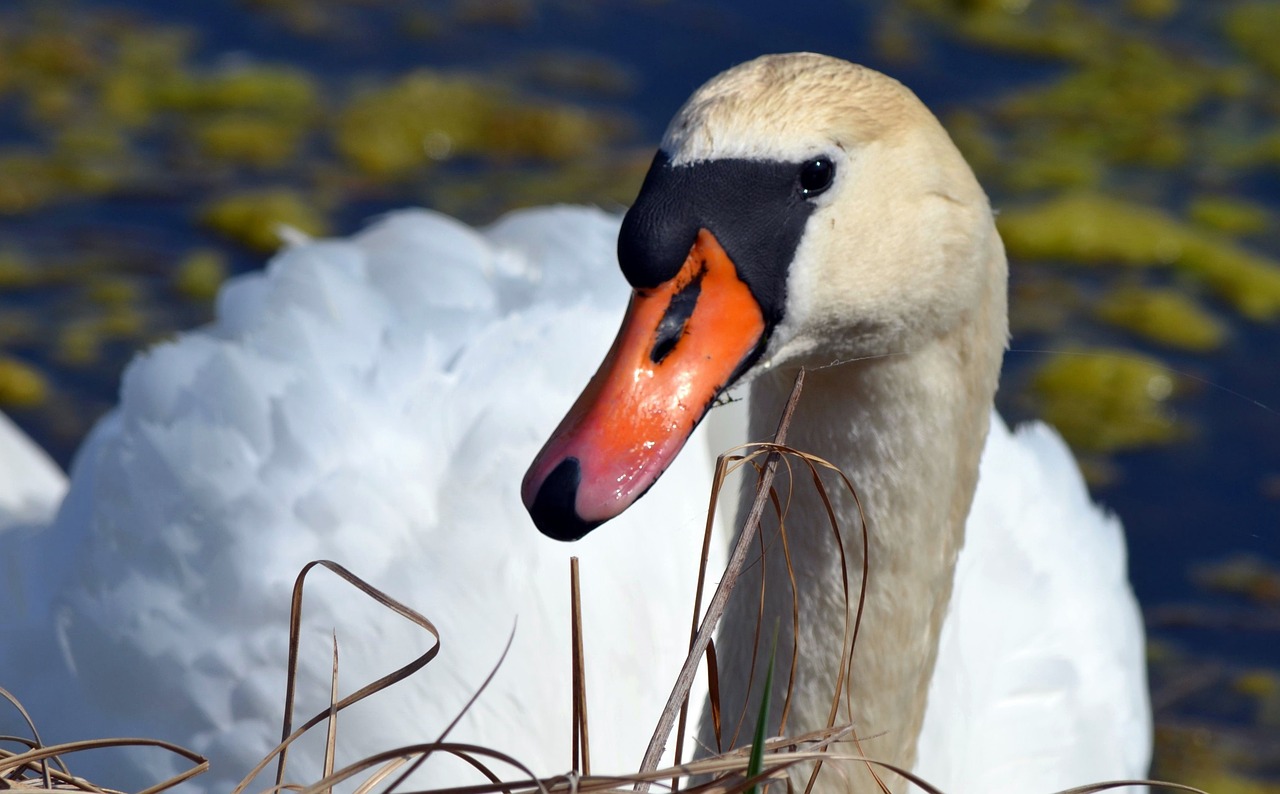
point(554, 507)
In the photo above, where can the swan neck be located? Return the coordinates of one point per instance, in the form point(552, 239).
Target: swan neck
point(908, 431)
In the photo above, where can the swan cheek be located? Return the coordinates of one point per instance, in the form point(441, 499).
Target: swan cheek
point(681, 343)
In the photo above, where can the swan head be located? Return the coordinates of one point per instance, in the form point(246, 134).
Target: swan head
point(801, 210)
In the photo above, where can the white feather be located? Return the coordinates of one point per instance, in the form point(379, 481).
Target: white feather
point(1041, 679)
point(375, 401)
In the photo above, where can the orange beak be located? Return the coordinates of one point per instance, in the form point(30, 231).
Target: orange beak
point(681, 343)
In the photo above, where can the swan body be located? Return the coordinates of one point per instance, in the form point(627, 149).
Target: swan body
point(1041, 656)
point(373, 400)
point(31, 488)
point(827, 207)
point(31, 484)
point(370, 401)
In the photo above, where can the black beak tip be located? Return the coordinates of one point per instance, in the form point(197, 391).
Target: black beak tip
point(554, 509)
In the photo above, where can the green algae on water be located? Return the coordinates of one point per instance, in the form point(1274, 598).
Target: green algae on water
point(1022, 27)
point(394, 132)
point(29, 181)
point(608, 182)
point(123, 322)
point(1091, 228)
point(17, 270)
point(1263, 687)
point(581, 72)
point(1213, 760)
point(112, 291)
point(1241, 574)
point(199, 274)
point(254, 217)
point(1105, 400)
point(270, 90)
point(78, 343)
point(1145, 95)
point(244, 139)
point(1252, 28)
point(1229, 215)
point(21, 385)
point(1163, 315)
point(90, 160)
point(1155, 10)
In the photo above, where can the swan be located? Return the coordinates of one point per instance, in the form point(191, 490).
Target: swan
point(31, 484)
point(371, 400)
point(375, 400)
point(805, 212)
point(31, 488)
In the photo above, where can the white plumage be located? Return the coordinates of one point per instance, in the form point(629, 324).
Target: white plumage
point(31, 484)
point(374, 401)
point(1041, 677)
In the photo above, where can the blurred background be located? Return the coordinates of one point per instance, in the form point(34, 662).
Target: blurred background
point(149, 150)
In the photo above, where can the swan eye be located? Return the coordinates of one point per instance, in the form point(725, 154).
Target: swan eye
point(816, 176)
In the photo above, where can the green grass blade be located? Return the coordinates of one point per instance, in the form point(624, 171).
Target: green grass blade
point(756, 764)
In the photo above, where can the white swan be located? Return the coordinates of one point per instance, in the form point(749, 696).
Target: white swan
point(374, 401)
point(31, 484)
point(31, 488)
point(806, 212)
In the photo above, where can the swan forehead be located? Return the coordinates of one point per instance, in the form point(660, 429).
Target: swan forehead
point(789, 107)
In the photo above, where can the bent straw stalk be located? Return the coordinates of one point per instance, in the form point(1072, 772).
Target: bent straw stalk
point(716, 608)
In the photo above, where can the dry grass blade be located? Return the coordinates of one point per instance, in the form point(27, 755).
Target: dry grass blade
point(418, 752)
point(851, 630)
point(717, 484)
point(581, 735)
point(1114, 784)
point(755, 646)
point(417, 762)
point(718, 602)
point(730, 769)
point(713, 691)
point(379, 775)
point(35, 734)
point(775, 453)
point(728, 773)
point(383, 765)
point(752, 458)
point(37, 760)
point(41, 768)
point(781, 506)
point(795, 619)
point(331, 737)
point(295, 627)
point(817, 754)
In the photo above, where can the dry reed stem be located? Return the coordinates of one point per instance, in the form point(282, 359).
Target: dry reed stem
point(37, 760)
point(331, 734)
point(718, 601)
point(725, 773)
point(581, 734)
point(50, 770)
point(288, 736)
point(851, 629)
point(765, 494)
point(717, 483)
point(416, 763)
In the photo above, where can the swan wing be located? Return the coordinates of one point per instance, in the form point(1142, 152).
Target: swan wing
point(374, 401)
point(1040, 681)
point(31, 484)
